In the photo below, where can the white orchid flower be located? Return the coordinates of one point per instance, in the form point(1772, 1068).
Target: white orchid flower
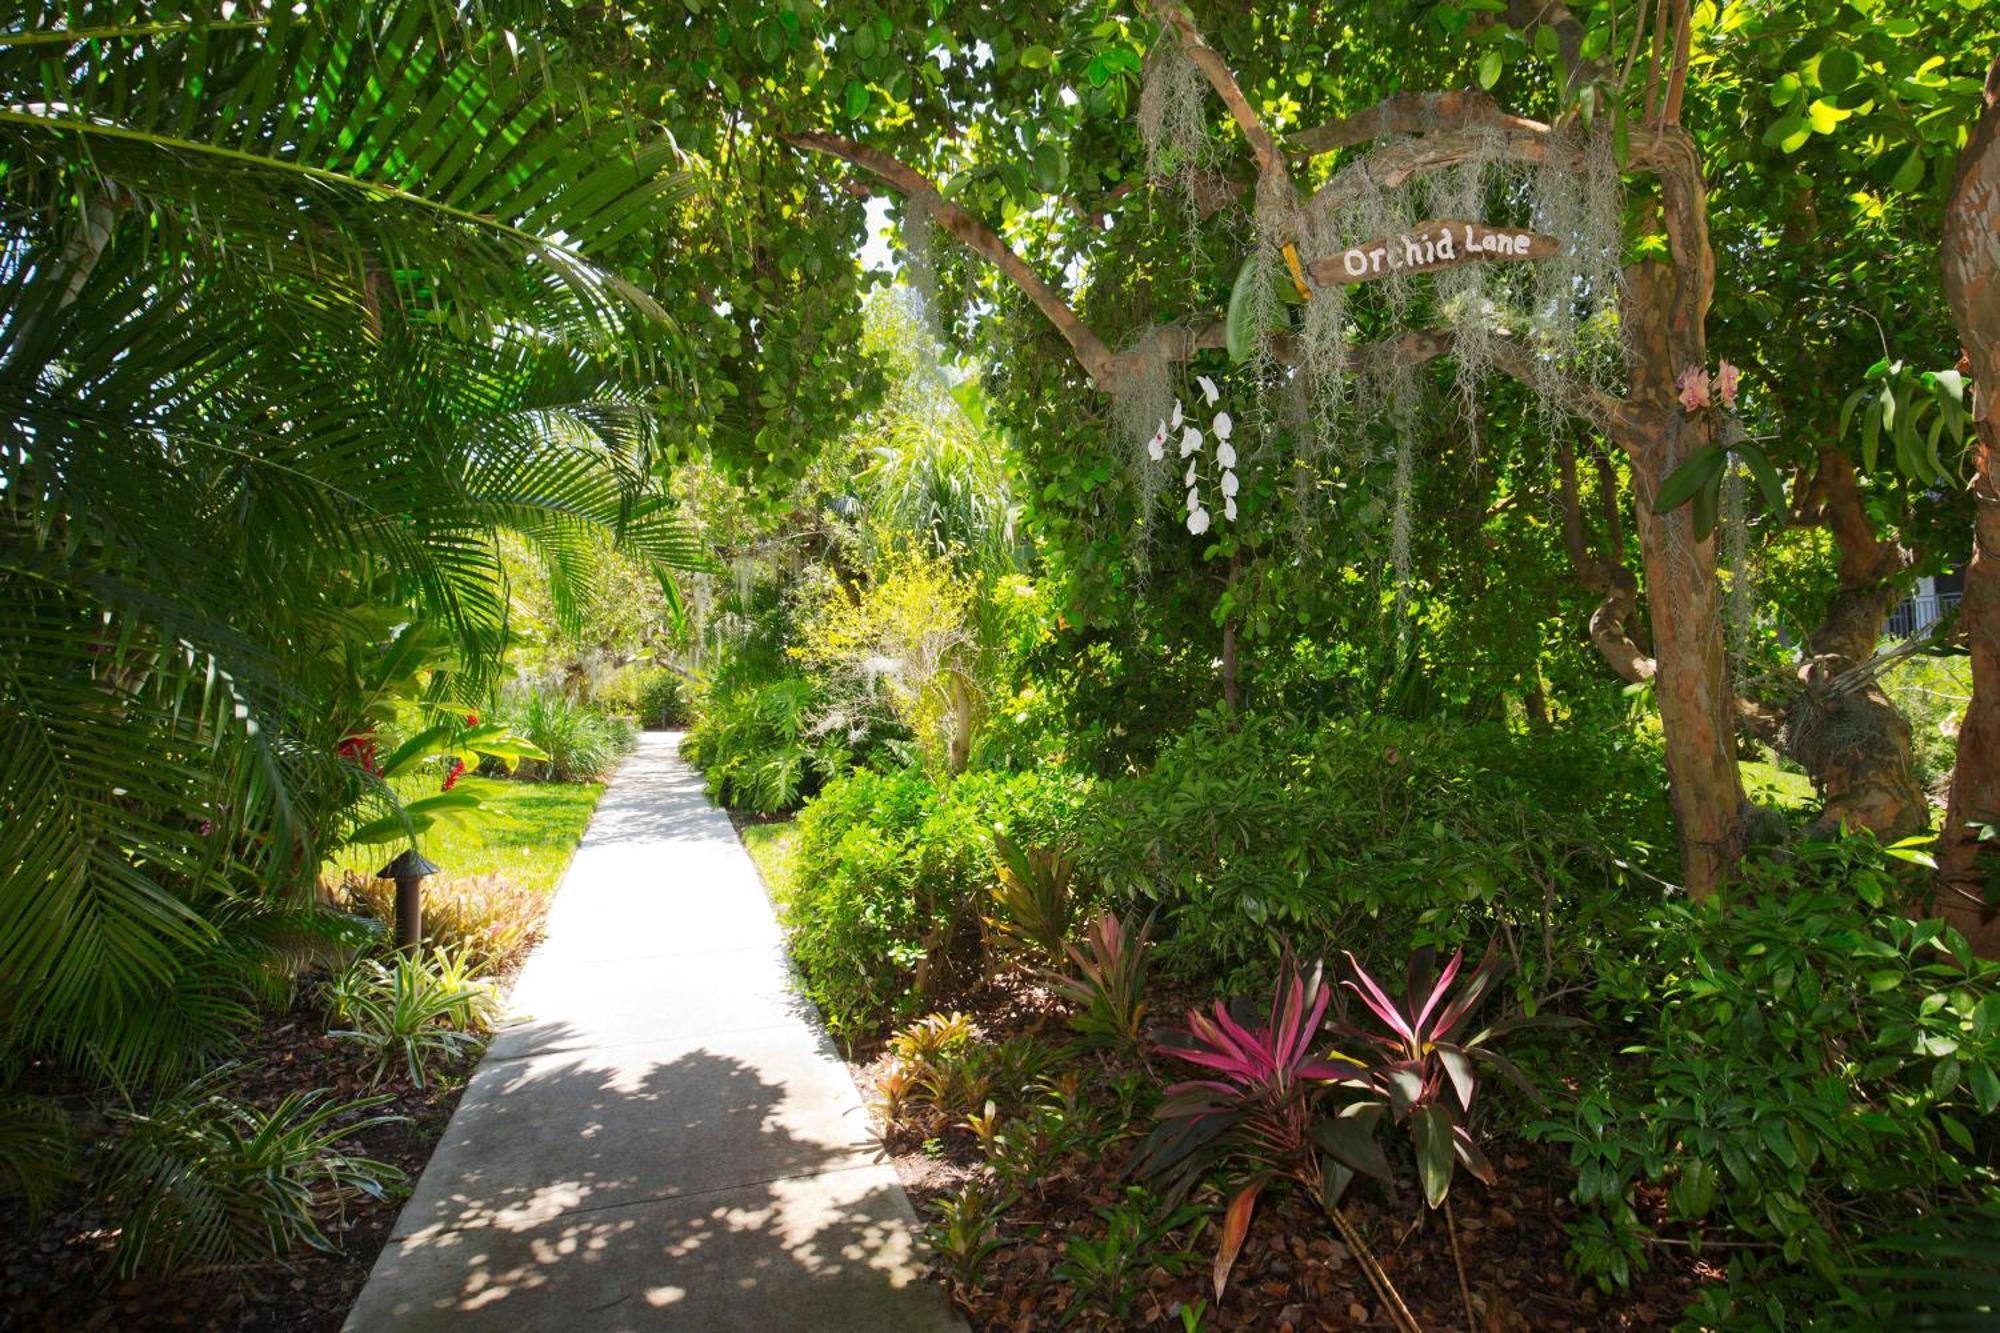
point(1194, 498)
point(1190, 441)
point(1188, 480)
point(1208, 389)
point(1229, 508)
point(1198, 522)
point(1175, 420)
point(1224, 427)
point(1225, 454)
point(1229, 486)
point(1156, 448)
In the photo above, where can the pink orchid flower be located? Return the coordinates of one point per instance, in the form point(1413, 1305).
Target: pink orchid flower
point(1693, 385)
point(1726, 378)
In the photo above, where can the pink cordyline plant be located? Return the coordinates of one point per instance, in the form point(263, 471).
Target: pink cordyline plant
point(1267, 1113)
point(1421, 1054)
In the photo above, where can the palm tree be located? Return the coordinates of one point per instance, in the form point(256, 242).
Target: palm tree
point(298, 312)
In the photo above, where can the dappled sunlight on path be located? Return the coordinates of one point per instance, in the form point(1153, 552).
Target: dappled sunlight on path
point(664, 1137)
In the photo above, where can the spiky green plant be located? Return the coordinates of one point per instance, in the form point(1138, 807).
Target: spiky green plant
point(1034, 901)
point(199, 1178)
point(413, 1010)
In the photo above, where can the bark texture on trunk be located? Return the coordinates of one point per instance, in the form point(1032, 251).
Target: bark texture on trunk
point(1854, 743)
point(964, 698)
point(1697, 705)
point(1972, 286)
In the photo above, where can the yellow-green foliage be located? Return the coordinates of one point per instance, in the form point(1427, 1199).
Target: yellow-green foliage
point(900, 643)
point(1932, 693)
point(486, 917)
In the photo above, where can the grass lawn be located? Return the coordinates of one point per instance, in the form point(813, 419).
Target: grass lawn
point(524, 832)
point(770, 846)
point(1767, 784)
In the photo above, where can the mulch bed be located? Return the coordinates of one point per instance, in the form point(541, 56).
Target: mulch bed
point(1293, 1273)
point(54, 1277)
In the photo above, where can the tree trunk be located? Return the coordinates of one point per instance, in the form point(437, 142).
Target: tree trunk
point(964, 703)
point(1972, 286)
point(1855, 744)
point(1535, 702)
point(1697, 705)
point(1610, 622)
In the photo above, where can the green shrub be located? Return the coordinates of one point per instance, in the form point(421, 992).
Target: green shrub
point(757, 747)
point(889, 877)
point(1805, 1070)
point(1381, 836)
point(200, 1179)
point(1932, 693)
point(660, 698)
point(583, 744)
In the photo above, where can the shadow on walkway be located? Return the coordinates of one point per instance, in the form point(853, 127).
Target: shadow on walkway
point(599, 1245)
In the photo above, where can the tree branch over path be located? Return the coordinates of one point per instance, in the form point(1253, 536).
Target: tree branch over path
point(1263, 144)
point(972, 232)
point(1408, 113)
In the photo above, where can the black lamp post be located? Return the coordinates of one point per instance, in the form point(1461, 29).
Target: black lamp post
point(408, 870)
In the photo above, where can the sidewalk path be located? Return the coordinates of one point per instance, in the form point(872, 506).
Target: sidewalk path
point(664, 1137)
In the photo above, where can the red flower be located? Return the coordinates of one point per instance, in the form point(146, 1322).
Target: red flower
point(451, 778)
point(358, 749)
point(472, 719)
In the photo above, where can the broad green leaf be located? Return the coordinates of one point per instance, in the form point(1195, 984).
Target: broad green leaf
point(1847, 412)
point(1789, 132)
point(1825, 116)
point(1707, 505)
point(1768, 481)
point(1240, 329)
point(1351, 1141)
point(419, 747)
point(1695, 471)
point(1910, 175)
point(1489, 68)
point(1693, 1193)
point(1837, 69)
point(1985, 1084)
point(1430, 1129)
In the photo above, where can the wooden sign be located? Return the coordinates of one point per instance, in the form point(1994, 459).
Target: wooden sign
point(1429, 246)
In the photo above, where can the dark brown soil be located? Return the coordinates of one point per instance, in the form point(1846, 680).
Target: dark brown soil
point(55, 1276)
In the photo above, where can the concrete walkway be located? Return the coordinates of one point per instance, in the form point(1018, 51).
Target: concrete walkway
point(664, 1137)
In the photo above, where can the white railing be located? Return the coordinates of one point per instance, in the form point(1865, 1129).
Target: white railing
point(1914, 615)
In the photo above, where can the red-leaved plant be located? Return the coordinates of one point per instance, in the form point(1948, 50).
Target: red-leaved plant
point(1266, 1110)
point(1421, 1055)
